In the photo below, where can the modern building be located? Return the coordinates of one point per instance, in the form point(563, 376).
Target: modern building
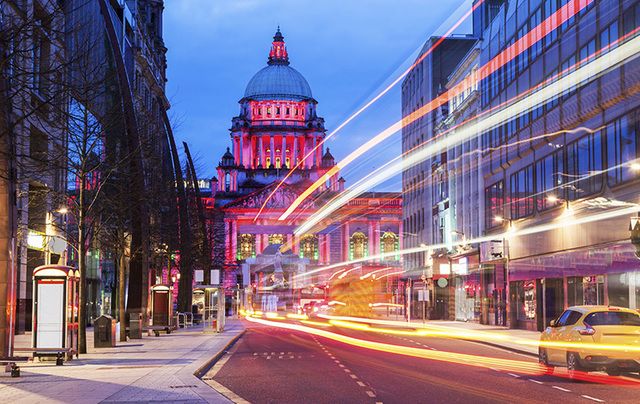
point(275, 135)
point(559, 176)
point(428, 205)
point(32, 141)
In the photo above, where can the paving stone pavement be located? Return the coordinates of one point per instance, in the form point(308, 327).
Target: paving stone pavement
point(153, 369)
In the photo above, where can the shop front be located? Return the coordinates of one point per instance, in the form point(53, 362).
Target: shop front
point(540, 288)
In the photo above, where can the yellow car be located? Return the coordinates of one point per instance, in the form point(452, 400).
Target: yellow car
point(588, 338)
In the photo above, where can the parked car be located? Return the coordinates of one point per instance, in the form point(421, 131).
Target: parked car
point(605, 325)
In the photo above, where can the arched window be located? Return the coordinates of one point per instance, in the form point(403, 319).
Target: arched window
point(246, 246)
point(358, 245)
point(277, 162)
point(390, 244)
point(276, 239)
point(227, 182)
point(309, 247)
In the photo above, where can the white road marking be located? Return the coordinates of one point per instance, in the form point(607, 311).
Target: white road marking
point(592, 398)
point(370, 393)
point(513, 375)
point(561, 389)
point(341, 365)
point(352, 375)
point(360, 383)
point(535, 381)
point(347, 370)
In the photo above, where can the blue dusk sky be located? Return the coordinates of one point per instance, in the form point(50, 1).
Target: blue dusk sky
point(346, 49)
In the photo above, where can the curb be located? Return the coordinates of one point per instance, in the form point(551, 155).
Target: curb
point(202, 370)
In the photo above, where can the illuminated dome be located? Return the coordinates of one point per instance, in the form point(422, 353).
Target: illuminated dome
point(278, 81)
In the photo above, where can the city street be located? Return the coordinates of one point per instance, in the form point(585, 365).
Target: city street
point(274, 365)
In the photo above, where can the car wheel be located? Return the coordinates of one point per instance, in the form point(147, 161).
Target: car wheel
point(573, 364)
point(543, 359)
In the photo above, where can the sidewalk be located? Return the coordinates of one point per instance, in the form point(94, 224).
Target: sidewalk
point(521, 341)
point(152, 369)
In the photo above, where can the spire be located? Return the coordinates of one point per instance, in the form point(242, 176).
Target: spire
point(278, 54)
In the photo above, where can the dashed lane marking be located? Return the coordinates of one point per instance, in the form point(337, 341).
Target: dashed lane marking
point(513, 375)
point(536, 381)
point(359, 383)
point(370, 393)
point(346, 370)
point(352, 375)
point(561, 389)
point(592, 398)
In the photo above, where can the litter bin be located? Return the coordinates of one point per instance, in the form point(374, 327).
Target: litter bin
point(135, 325)
point(104, 332)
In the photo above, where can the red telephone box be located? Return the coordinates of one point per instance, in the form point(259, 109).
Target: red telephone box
point(55, 309)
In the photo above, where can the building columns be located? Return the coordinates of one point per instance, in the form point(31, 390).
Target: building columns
point(261, 151)
point(234, 239)
point(284, 151)
point(271, 150)
point(294, 154)
point(227, 234)
point(313, 157)
point(304, 152)
point(345, 241)
point(372, 238)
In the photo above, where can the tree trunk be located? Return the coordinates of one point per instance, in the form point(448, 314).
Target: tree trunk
point(122, 278)
point(82, 304)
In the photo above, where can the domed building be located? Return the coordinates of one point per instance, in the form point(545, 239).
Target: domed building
point(279, 134)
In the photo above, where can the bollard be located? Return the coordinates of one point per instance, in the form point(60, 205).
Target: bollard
point(15, 370)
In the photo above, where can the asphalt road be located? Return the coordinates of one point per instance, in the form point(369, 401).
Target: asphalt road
point(271, 365)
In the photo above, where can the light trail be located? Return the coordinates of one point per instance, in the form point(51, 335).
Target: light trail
point(438, 331)
point(525, 367)
point(564, 222)
point(368, 274)
point(523, 43)
point(581, 76)
point(371, 102)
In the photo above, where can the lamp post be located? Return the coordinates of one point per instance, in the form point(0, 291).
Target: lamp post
point(634, 229)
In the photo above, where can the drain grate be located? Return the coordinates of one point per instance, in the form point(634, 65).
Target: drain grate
point(186, 386)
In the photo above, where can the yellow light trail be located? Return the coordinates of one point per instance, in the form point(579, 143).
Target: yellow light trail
point(581, 76)
point(534, 35)
point(530, 368)
point(371, 102)
point(439, 331)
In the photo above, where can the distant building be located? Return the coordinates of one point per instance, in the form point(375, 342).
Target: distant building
point(277, 127)
point(428, 206)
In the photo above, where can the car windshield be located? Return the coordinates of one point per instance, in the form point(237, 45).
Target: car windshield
point(612, 318)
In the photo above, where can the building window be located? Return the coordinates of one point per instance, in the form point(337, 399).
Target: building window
point(390, 244)
point(549, 181)
point(521, 192)
point(622, 150)
point(276, 239)
point(309, 247)
point(246, 246)
point(358, 245)
point(584, 166)
point(494, 204)
point(227, 182)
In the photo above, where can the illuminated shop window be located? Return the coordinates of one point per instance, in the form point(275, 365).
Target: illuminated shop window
point(246, 246)
point(276, 239)
point(358, 246)
point(309, 247)
point(390, 243)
